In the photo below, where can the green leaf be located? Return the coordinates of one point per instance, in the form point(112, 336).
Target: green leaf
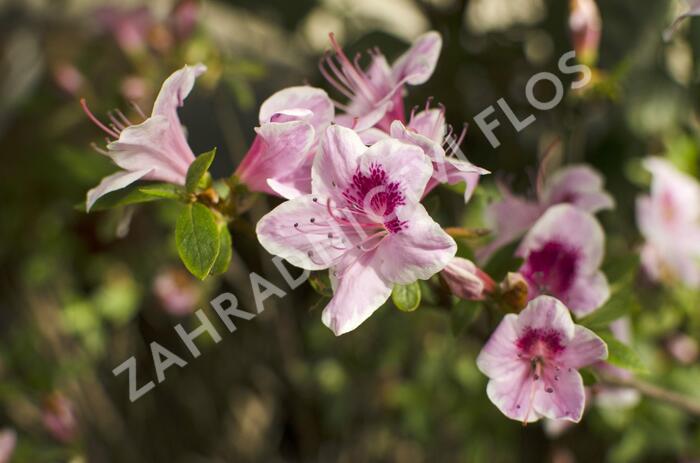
point(129, 195)
point(406, 297)
point(197, 239)
point(620, 304)
point(622, 355)
point(225, 251)
point(503, 261)
point(463, 314)
point(197, 169)
point(321, 283)
point(163, 191)
point(589, 377)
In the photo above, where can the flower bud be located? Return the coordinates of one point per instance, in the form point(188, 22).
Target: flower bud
point(176, 291)
point(8, 441)
point(514, 292)
point(59, 418)
point(585, 26)
point(466, 280)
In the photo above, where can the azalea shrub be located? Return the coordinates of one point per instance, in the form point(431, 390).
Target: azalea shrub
point(277, 232)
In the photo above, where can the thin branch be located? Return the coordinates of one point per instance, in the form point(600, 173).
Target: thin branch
point(653, 391)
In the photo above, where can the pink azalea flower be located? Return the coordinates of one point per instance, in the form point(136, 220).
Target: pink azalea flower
point(130, 27)
point(466, 281)
point(532, 361)
point(59, 418)
point(512, 216)
point(363, 221)
point(376, 95)
point(669, 220)
point(8, 442)
point(291, 122)
point(693, 10)
point(562, 255)
point(184, 18)
point(155, 149)
point(585, 26)
point(683, 348)
point(177, 292)
point(428, 130)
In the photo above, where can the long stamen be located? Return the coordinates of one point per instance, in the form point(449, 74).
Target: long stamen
point(138, 109)
point(96, 121)
point(339, 105)
point(336, 80)
point(428, 102)
point(536, 377)
point(413, 112)
point(380, 234)
point(125, 120)
point(462, 135)
point(441, 108)
point(352, 73)
point(98, 149)
point(115, 122)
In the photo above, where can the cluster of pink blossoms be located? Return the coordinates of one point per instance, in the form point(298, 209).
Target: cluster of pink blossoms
point(353, 176)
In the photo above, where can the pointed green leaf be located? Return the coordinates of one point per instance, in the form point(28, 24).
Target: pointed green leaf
point(406, 297)
point(620, 304)
point(225, 251)
point(197, 239)
point(163, 191)
point(622, 355)
point(197, 169)
point(124, 197)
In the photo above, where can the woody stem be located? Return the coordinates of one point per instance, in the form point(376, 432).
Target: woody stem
point(685, 403)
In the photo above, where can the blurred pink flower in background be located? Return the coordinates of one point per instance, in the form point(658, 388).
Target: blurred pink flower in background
point(364, 222)
point(532, 361)
point(376, 95)
point(58, 417)
point(669, 220)
point(155, 149)
point(562, 256)
point(512, 216)
point(8, 442)
point(177, 292)
point(683, 348)
point(68, 78)
point(183, 18)
point(585, 26)
point(692, 10)
point(134, 88)
point(280, 158)
point(466, 280)
point(130, 27)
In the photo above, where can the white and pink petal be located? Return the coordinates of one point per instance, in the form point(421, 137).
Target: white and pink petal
point(359, 292)
point(417, 252)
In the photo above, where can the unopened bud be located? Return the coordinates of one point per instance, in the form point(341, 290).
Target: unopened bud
point(466, 281)
point(59, 418)
point(8, 441)
point(585, 26)
point(514, 291)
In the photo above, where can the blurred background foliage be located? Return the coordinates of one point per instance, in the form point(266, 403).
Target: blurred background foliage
point(82, 293)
